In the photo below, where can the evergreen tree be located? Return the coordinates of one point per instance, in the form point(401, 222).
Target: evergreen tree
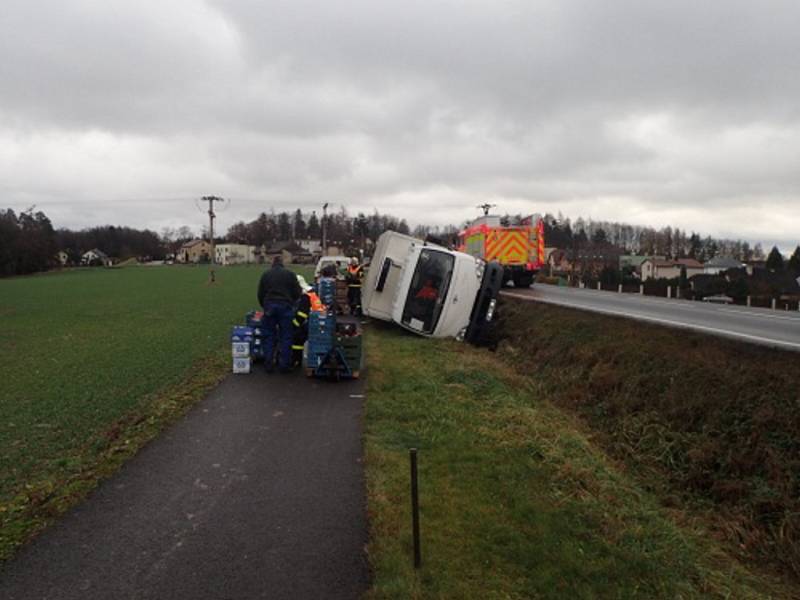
point(300, 231)
point(284, 227)
point(794, 261)
point(313, 231)
point(599, 236)
point(695, 246)
point(775, 260)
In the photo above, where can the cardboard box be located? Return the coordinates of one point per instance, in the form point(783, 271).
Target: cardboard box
point(241, 365)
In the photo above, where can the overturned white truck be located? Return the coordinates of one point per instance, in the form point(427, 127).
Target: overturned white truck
point(431, 290)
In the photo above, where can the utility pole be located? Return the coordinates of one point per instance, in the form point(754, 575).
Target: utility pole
point(211, 216)
point(324, 229)
point(486, 208)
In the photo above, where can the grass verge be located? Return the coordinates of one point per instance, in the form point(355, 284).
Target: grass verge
point(516, 502)
point(711, 425)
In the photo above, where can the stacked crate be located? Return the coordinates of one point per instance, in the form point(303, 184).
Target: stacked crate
point(321, 330)
point(253, 320)
point(327, 291)
point(349, 342)
point(241, 345)
point(341, 294)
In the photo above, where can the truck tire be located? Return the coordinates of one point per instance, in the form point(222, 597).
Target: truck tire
point(523, 280)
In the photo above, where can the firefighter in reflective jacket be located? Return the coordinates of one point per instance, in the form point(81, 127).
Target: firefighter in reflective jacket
point(308, 301)
point(355, 274)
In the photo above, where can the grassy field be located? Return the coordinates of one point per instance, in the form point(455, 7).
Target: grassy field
point(95, 362)
point(516, 502)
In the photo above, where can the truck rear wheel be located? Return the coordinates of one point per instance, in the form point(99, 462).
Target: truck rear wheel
point(523, 280)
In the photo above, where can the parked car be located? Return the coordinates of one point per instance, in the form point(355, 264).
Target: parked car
point(719, 298)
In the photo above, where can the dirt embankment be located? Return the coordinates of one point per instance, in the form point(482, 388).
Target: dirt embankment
point(711, 425)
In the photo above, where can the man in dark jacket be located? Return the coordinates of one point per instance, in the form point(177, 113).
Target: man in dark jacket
point(278, 291)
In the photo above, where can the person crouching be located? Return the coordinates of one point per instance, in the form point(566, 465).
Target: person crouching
point(278, 291)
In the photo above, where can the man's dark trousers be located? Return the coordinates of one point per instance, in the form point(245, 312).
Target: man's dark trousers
point(277, 324)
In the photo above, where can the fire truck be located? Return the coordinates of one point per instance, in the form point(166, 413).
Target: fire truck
point(519, 249)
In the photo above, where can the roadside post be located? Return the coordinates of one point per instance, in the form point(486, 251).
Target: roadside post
point(619, 288)
point(641, 289)
point(774, 303)
point(598, 286)
point(669, 291)
point(748, 302)
point(415, 508)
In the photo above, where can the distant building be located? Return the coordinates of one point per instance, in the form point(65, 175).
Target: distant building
point(634, 262)
point(589, 261)
point(234, 254)
point(558, 261)
point(96, 257)
point(194, 251)
point(720, 264)
point(753, 266)
point(290, 251)
point(313, 246)
point(654, 268)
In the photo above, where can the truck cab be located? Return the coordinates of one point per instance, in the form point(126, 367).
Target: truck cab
point(431, 290)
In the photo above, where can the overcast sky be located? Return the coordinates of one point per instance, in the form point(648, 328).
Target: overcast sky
point(679, 113)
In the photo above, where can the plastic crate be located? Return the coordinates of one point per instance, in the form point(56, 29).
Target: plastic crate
point(240, 349)
point(241, 333)
point(327, 291)
point(241, 365)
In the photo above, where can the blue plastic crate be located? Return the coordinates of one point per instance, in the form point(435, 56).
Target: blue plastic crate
point(240, 333)
point(327, 290)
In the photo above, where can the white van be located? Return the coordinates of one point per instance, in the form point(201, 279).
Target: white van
point(340, 262)
point(429, 289)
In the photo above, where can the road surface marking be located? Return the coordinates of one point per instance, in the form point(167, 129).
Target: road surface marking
point(641, 317)
point(761, 315)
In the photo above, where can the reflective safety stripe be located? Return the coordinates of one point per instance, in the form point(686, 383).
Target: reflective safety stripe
point(300, 313)
point(297, 347)
point(353, 285)
point(295, 323)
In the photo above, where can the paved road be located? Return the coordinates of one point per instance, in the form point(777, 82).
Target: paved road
point(257, 493)
point(758, 325)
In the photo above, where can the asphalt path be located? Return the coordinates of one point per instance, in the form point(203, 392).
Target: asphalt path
point(257, 493)
point(778, 328)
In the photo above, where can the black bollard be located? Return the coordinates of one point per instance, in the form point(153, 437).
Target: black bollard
point(415, 508)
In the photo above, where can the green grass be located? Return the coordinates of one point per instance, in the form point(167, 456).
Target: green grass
point(95, 362)
point(516, 502)
point(712, 424)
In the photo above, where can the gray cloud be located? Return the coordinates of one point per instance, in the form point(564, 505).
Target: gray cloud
point(678, 113)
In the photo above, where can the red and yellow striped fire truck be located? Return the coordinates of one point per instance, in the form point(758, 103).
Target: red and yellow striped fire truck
point(519, 249)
